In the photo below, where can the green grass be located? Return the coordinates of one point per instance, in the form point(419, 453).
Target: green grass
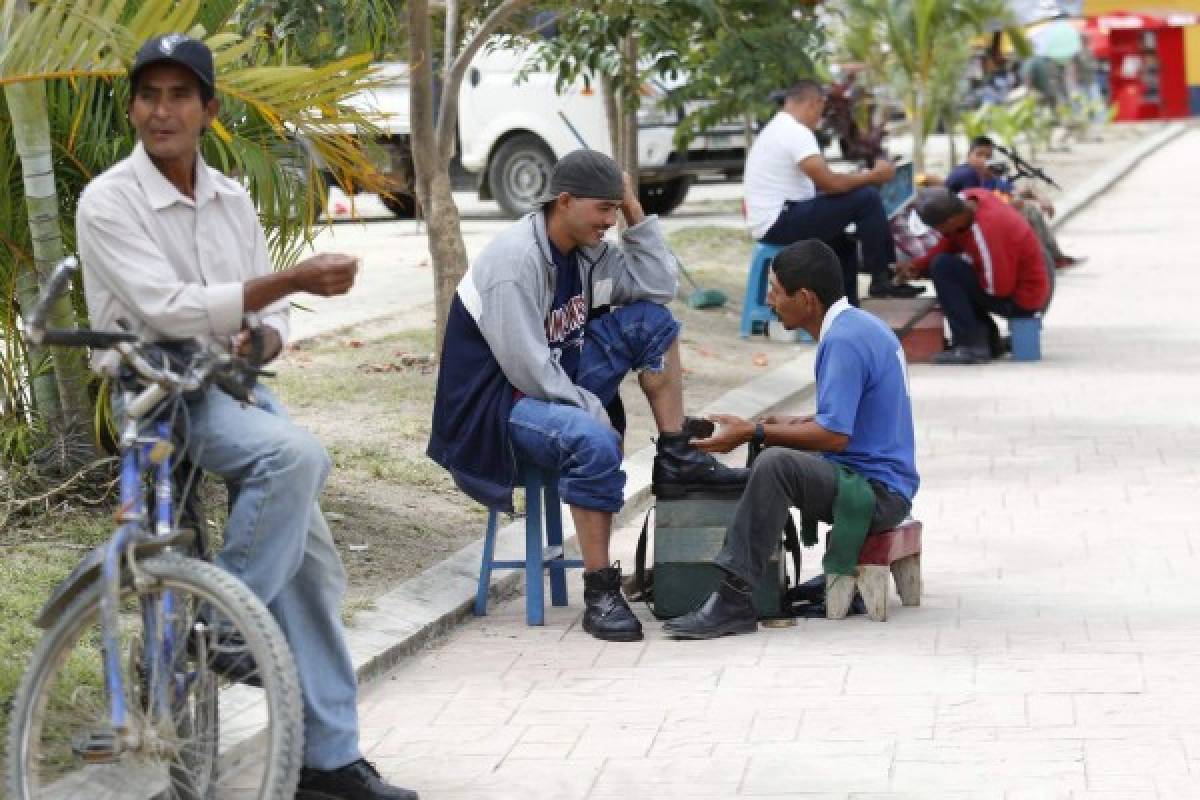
point(32, 563)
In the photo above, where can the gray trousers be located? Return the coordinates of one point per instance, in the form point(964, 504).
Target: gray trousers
point(780, 480)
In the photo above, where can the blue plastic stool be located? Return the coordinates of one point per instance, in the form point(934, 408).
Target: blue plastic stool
point(756, 314)
point(1026, 335)
point(754, 308)
point(539, 484)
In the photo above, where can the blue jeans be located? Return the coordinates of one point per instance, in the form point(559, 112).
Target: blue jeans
point(826, 216)
point(277, 543)
point(587, 451)
point(968, 308)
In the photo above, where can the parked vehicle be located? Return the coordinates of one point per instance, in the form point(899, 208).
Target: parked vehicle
point(510, 135)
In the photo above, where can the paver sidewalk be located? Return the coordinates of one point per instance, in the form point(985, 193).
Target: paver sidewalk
point(1057, 652)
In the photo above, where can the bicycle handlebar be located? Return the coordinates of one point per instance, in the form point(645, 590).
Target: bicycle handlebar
point(225, 370)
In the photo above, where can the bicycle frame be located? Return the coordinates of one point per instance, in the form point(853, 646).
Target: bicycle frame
point(138, 455)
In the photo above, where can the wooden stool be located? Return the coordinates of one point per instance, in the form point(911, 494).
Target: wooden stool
point(539, 484)
point(897, 551)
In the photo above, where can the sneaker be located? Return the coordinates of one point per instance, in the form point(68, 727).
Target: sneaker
point(1066, 262)
point(606, 614)
point(358, 780)
point(680, 468)
point(228, 657)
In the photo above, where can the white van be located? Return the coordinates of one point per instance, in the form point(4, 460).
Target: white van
point(510, 135)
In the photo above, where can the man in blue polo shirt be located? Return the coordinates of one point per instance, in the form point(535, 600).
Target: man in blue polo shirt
point(859, 442)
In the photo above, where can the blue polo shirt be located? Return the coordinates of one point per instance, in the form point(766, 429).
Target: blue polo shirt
point(862, 392)
point(965, 177)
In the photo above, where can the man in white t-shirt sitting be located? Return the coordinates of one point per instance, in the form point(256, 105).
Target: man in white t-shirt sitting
point(792, 194)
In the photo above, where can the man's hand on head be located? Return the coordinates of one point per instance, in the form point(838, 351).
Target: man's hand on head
point(325, 274)
point(732, 432)
point(631, 206)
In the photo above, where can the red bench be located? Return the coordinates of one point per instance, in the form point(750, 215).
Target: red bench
point(897, 551)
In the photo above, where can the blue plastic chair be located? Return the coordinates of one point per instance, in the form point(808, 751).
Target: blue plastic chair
point(541, 485)
point(756, 314)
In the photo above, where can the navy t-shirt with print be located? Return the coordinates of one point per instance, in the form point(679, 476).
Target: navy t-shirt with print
point(568, 315)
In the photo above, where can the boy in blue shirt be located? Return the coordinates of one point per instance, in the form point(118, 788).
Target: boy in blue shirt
point(976, 173)
point(863, 423)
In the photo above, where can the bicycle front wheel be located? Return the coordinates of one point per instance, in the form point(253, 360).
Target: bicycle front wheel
point(186, 613)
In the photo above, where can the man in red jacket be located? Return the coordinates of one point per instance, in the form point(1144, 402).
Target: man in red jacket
point(988, 261)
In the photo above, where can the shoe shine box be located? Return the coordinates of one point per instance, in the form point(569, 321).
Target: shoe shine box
point(689, 532)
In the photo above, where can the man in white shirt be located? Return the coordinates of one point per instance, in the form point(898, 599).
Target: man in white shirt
point(174, 249)
point(792, 194)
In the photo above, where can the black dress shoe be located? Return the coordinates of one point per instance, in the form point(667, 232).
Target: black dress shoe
point(964, 354)
point(725, 611)
point(358, 780)
point(894, 290)
point(606, 615)
point(680, 468)
point(228, 656)
point(817, 610)
point(811, 591)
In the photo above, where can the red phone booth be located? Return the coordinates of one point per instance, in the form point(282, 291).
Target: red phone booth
point(1147, 75)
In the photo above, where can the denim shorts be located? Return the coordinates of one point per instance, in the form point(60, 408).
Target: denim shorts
point(586, 451)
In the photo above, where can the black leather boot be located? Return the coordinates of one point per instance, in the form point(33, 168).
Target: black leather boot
point(358, 780)
point(606, 614)
point(727, 610)
point(680, 468)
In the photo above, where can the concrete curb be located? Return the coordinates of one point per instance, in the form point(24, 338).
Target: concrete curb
point(1078, 199)
point(421, 609)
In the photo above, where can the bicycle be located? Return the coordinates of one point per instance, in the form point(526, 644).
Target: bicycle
point(123, 694)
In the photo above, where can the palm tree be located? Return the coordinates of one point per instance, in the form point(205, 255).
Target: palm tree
point(63, 122)
point(922, 48)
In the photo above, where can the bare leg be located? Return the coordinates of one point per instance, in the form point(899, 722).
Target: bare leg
point(593, 529)
point(664, 391)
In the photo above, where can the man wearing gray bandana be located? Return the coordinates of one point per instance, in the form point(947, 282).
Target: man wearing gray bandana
point(543, 328)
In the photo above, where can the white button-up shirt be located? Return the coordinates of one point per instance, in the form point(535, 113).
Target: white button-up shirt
point(172, 266)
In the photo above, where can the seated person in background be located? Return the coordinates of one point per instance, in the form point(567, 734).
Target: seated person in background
point(792, 194)
point(976, 173)
point(852, 464)
point(535, 351)
point(988, 261)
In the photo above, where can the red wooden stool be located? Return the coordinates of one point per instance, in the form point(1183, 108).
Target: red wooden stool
point(897, 551)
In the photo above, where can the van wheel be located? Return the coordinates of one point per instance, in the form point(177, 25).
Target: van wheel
point(520, 173)
point(663, 197)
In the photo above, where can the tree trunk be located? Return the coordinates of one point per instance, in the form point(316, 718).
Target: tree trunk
point(612, 115)
point(433, 145)
point(629, 123)
point(748, 130)
point(60, 394)
point(917, 103)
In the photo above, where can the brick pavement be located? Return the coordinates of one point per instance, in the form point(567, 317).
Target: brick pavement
point(1056, 654)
